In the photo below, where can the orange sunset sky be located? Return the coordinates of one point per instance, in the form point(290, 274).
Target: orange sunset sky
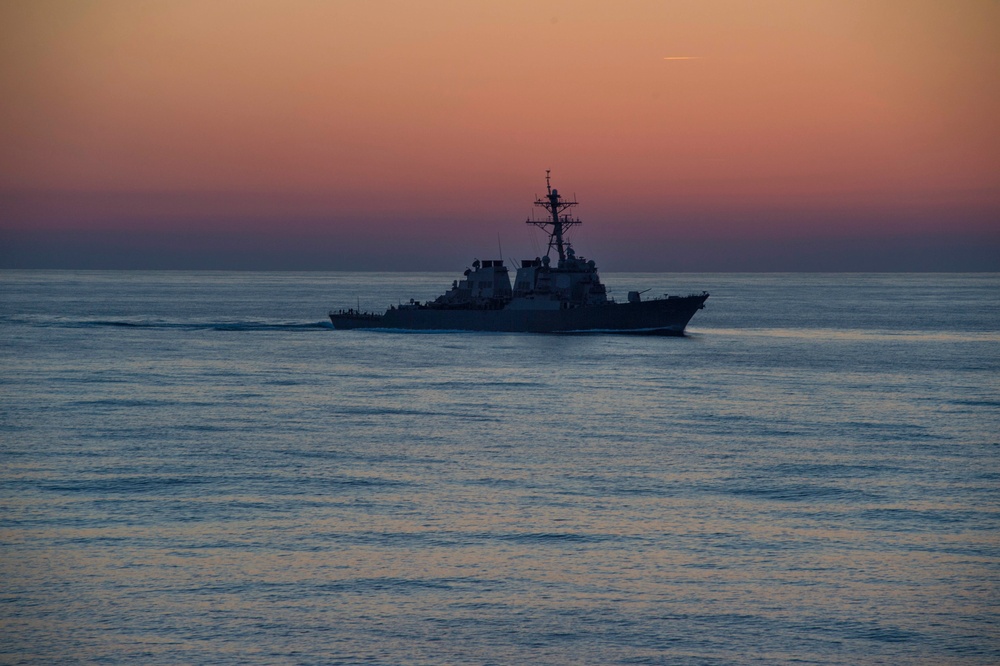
point(341, 134)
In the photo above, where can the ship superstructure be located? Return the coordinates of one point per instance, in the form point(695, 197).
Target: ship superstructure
point(566, 296)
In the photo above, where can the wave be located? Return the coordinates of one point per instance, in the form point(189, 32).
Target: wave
point(856, 335)
point(801, 492)
point(258, 326)
point(237, 326)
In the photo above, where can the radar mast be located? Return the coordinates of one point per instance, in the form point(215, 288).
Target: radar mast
point(555, 206)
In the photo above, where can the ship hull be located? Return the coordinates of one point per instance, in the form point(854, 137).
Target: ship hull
point(667, 316)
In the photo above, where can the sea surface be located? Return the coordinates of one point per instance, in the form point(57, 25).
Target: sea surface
point(195, 468)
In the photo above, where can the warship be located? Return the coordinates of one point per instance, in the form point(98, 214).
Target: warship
point(561, 296)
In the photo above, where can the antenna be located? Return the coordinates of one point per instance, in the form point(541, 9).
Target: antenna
point(555, 206)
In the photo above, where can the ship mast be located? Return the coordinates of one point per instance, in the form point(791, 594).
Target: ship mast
point(555, 206)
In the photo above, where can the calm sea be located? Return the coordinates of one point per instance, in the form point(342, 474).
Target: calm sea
point(197, 469)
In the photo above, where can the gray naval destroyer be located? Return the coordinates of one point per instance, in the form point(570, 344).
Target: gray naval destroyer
point(562, 297)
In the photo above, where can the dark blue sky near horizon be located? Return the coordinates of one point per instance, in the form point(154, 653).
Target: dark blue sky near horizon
point(122, 250)
point(173, 237)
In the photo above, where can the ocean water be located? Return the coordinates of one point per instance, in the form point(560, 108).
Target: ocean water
point(197, 469)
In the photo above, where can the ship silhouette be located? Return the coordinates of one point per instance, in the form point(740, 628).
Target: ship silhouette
point(565, 296)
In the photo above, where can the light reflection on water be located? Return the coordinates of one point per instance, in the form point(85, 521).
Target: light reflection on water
point(821, 334)
point(752, 494)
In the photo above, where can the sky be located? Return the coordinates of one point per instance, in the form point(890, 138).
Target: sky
point(701, 135)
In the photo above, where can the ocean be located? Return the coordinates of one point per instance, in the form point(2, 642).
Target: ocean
point(197, 469)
